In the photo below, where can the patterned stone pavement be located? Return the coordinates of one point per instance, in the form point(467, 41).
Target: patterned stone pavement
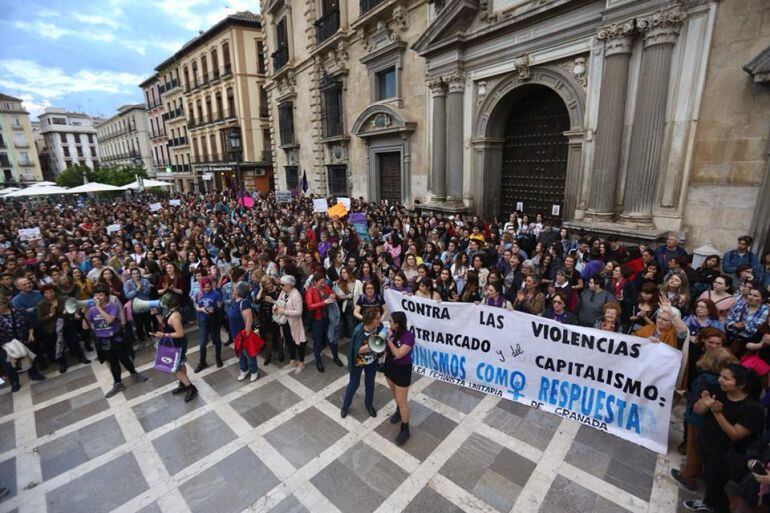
point(279, 445)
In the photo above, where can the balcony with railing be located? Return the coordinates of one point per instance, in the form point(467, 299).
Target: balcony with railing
point(217, 158)
point(21, 144)
point(327, 26)
point(216, 117)
point(158, 135)
point(177, 141)
point(280, 58)
point(267, 156)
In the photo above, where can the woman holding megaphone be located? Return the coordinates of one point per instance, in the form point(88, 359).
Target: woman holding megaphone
point(398, 371)
point(173, 328)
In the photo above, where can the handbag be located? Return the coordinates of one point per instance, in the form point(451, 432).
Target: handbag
point(167, 356)
point(280, 318)
point(16, 350)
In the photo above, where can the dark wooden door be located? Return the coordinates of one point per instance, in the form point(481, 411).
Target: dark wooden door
point(535, 155)
point(390, 177)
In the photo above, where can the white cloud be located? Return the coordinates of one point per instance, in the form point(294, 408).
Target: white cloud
point(29, 78)
point(53, 31)
point(95, 19)
point(34, 107)
point(202, 14)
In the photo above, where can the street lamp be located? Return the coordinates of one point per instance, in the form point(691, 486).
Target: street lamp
point(234, 143)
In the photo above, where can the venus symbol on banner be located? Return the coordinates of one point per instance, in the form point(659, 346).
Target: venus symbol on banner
point(614, 382)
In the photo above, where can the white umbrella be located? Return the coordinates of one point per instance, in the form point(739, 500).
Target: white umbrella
point(38, 184)
point(42, 190)
point(93, 187)
point(8, 190)
point(147, 182)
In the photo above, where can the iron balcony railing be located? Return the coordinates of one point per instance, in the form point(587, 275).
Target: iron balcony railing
point(327, 26)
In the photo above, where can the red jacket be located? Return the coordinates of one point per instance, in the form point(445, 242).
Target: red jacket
point(252, 343)
point(314, 301)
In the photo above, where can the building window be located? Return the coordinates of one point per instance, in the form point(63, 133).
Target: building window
point(292, 178)
point(63, 138)
point(7, 173)
point(230, 103)
point(226, 59)
point(19, 139)
point(2, 141)
point(66, 151)
point(386, 83)
point(261, 68)
point(329, 23)
point(281, 55)
point(331, 107)
point(263, 108)
point(286, 123)
point(338, 180)
point(90, 138)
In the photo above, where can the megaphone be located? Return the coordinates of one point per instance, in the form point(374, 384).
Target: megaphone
point(141, 305)
point(377, 342)
point(72, 305)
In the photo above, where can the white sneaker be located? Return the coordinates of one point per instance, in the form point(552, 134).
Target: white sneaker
point(243, 375)
point(254, 377)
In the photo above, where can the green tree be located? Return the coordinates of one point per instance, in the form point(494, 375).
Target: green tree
point(119, 175)
point(73, 176)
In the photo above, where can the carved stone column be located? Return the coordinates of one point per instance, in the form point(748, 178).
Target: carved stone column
point(609, 127)
point(660, 30)
point(454, 140)
point(438, 158)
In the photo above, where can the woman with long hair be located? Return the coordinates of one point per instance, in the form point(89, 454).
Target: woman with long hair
point(732, 418)
point(721, 295)
point(398, 371)
point(348, 289)
point(410, 267)
point(675, 288)
point(472, 290)
point(459, 269)
point(320, 300)
point(493, 296)
point(425, 290)
point(445, 286)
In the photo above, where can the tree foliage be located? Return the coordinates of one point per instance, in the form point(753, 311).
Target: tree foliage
point(112, 175)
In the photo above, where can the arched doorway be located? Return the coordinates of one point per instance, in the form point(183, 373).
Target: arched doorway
point(535, 151)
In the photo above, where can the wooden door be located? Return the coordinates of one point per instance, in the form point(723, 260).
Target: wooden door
point(390, 176)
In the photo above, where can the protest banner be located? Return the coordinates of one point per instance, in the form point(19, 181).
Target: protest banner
point(320, 205)
point(154, 207)
point(113, 228)
point(283, 196)
point(613, 382)
point(337, 210)
point(246, 201)
point(175, 202)
point(27, 234)
point(358, 220)
point(345, 201)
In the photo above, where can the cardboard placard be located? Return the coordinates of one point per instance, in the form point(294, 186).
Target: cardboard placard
point(175, 202)
point(345, 201)
point(337, 210)
point(113, 228)
point(283, 196)
point(154, 207)
point(320, 205)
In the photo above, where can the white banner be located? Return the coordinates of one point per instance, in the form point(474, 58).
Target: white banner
point(113, 228)
point(154, 207)
point(614, 382)
point(175, 202)
point(27, 234)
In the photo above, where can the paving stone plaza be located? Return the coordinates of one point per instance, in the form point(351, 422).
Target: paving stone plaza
point(279, 445)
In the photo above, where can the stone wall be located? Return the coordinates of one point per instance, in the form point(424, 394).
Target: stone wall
point(730, 155)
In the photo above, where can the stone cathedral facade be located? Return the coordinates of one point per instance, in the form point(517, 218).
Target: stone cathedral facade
point(618, 116)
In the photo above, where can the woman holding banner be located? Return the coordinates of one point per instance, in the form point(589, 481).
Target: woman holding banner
point(398, 371)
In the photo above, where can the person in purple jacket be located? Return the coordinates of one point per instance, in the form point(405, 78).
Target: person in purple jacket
point(398, 371)
point(104, 319)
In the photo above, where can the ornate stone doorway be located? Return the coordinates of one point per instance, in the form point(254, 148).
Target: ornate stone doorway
point(535, 153)
point(530, 126)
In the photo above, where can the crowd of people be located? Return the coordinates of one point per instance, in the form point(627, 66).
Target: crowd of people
point(295, 277)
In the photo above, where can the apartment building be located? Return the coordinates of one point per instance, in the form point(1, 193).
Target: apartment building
point(348, 96)
point(151, 88)
point(18, 159)
point(124, 139)
point(225, 104)
point(70, 138)
point(175, 122)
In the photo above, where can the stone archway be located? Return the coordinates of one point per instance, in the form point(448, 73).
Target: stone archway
point(492, 118)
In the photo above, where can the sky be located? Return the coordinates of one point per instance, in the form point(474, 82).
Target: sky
point(90, 56)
